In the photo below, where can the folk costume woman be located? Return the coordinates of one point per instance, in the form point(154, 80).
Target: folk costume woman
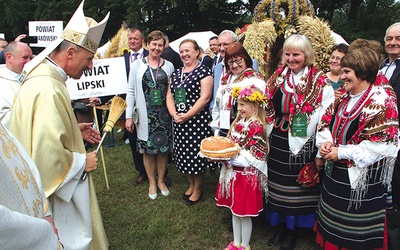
point(300, 94)
point(244, 178)
point(358, 137)
point(239, 67)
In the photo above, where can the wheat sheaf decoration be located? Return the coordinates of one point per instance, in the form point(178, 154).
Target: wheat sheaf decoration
point(274, 21)
point(319, 34)
point(258, 36)
point(119, 43)
point(282, 12)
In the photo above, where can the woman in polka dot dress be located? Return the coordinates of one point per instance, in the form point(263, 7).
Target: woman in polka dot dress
point(188, 96)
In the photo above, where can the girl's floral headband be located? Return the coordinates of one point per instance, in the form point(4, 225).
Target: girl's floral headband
point(251, 94)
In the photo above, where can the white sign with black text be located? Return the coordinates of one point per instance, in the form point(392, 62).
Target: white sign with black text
point(45, 31)
point(107, 77)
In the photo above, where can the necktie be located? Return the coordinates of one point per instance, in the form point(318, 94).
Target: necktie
point(134, 56)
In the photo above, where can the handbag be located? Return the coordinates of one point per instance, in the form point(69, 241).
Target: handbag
point(135, 115)
point(82, 107)
point(308, 176)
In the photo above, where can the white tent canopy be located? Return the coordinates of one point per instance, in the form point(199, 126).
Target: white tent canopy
point(201, 38)
point(102, 50)
point(338, 38)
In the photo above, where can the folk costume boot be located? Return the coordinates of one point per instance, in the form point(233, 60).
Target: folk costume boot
point(290, 240)
point(279, 235)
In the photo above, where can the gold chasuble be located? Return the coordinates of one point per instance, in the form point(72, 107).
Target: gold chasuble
point(45, 124)
point(43, 120)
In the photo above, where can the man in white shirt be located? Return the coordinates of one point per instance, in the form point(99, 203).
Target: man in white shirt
point(137, 52)
point(391, 69)
point(225, 38)
point(16, 55)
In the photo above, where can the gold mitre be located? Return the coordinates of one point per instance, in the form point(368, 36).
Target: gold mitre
point(86, 36)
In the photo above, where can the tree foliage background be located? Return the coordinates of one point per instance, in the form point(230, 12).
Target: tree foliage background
point(350, 18)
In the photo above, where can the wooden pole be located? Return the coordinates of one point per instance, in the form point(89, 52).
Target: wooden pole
point(101, 148)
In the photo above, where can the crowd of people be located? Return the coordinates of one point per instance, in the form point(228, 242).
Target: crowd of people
point(341, 125)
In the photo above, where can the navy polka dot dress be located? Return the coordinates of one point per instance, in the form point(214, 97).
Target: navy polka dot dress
point(188, 136)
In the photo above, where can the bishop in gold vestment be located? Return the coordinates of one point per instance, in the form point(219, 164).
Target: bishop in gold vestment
point(43, 120)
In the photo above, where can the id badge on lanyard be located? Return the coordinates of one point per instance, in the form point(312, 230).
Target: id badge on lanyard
point(225, 115)
point(329, 167)
point(299, 122)
point(299, 125)
point(180, 99)
point(225, 119)
point(155, 97)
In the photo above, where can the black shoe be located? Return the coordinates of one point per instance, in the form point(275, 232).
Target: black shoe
point(139, 180)
point(279, 235)
point(185, 197)
point(290, 241)
point(191, 203)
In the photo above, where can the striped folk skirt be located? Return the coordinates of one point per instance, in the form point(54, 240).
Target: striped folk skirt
point(289, 202)
point(347, 226)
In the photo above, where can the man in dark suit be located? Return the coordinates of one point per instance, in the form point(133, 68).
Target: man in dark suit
point(391, 69)
point(171, 55)
point(137, 52)
point(214, 47)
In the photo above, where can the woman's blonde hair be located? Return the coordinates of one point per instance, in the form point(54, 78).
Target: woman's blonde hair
point(300, 42)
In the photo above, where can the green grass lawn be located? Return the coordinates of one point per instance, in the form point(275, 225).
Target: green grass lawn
point(133, 221)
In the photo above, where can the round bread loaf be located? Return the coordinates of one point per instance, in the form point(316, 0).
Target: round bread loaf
point(218, 147)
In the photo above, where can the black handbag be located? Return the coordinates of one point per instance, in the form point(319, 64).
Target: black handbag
point(81, 107)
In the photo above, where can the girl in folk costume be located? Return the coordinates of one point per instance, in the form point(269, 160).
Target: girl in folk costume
point(299, 95)
point(358, 138)
point(243, 178)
